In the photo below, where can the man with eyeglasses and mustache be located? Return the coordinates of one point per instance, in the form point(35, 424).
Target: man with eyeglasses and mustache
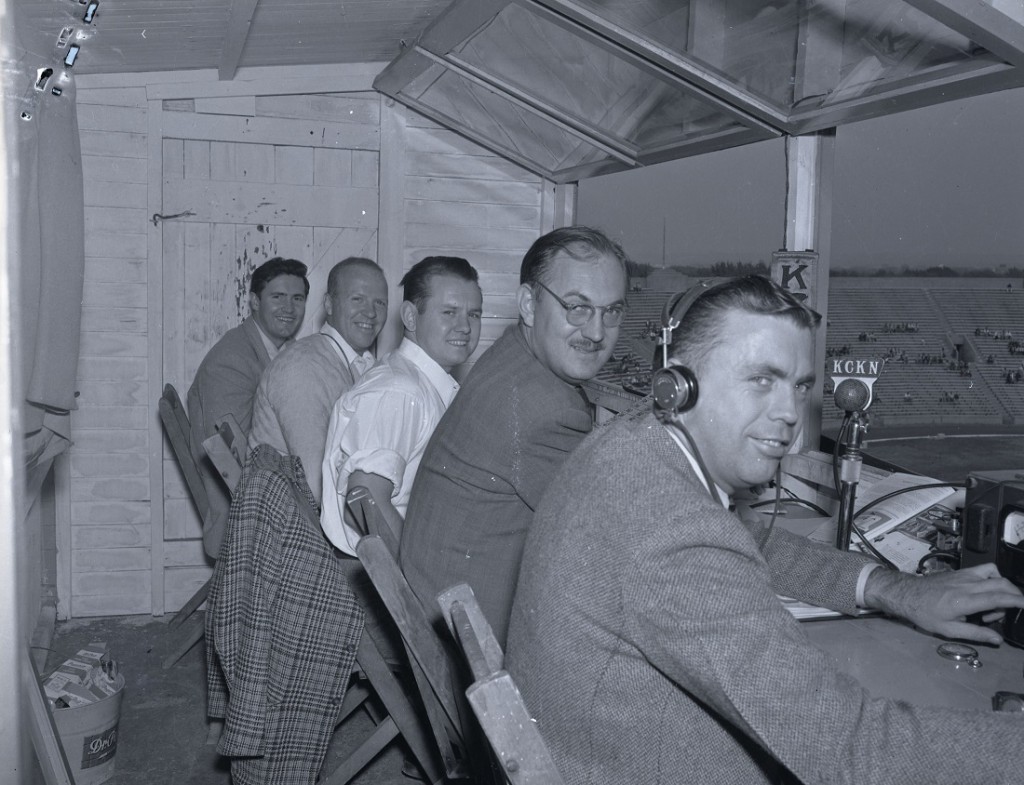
point(518, 416)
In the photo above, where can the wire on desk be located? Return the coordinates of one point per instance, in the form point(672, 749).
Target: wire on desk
point(794, 500)
point(778, 497)
point(835, 451)
point(864, 540)
point(809, 504)
point(940, 555)
point(874, 551)
point(901, 491)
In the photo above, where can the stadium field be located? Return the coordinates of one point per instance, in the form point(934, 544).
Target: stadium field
point(950, 455)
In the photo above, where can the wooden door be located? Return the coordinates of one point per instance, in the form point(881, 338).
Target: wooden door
point(295, 178)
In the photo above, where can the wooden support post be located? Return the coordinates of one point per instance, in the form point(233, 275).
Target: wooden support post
point(809, 162)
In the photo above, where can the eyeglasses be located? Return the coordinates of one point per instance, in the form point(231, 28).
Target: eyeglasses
point(579, 314)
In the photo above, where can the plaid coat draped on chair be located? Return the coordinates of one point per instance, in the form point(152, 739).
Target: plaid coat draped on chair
point(282, 628)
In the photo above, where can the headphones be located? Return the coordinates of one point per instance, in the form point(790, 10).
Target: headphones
point(674, 387)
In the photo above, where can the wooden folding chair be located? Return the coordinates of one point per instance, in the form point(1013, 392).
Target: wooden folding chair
point(227, 450)
point(403, 719)
point(176, 426)
point(366, 514)
point(368, 519)
point(494, 697)
point(373, 675)
point(431, 665)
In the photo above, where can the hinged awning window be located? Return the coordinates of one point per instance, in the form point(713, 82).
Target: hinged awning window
point(574, 88)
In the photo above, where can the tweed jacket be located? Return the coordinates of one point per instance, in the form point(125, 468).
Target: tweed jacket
point(225, 383)
point(295, 397)
point(649, 644)
point(486, 465)
point(282, 629)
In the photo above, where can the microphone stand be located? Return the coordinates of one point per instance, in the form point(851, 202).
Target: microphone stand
point(849, 476)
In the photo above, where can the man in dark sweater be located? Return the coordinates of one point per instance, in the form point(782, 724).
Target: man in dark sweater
point(515, 420)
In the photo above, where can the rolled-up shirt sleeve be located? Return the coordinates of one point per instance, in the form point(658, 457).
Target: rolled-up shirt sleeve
point(382, 430)
point(371, 431)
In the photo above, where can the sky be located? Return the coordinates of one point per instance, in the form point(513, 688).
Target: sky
point(942, 185)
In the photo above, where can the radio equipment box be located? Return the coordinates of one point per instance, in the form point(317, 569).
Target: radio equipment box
point(994, 532)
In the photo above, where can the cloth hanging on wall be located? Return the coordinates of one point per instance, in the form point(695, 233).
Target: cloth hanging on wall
point(51, 263)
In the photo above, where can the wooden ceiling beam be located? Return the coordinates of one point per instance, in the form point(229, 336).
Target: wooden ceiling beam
point(239, 20)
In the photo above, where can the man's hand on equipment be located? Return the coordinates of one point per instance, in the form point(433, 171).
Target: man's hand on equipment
point(940, 603)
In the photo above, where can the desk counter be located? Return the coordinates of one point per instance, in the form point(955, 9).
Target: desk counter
point(893, 660)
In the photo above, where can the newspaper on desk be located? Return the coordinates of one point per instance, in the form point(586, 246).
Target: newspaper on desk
point(898, 514)
point(909, 541)
point(901, 528)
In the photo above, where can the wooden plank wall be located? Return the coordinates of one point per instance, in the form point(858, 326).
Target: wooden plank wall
point(439, 194)
point(249, 178)
point(109, 463)
point(463, 200)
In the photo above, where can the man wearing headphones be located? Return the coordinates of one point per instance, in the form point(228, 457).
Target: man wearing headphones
point(647, 636)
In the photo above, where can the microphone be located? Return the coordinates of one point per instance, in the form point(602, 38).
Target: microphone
point(849, 476)
point(852, 395)
point(854, 384)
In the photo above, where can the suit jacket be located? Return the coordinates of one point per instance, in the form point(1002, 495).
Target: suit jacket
point(648, 642)
point(294, 401)
point(282, 629)
point(225, 384)
point(489, 460)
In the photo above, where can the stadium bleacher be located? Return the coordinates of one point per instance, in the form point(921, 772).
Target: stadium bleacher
point(988, 322)
point(921, 381)
point(631, 360)
point(907, 323)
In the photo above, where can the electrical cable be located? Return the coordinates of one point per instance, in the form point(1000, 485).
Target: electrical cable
point(676, 422)
point(811, 506)
point(856, 529)
point(874, 551)
point(863, 538)
point(795, 500)
point(835, 451)
point(940, 555)
point(901, 491)
point(778, 498)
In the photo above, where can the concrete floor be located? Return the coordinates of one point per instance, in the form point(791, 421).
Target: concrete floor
point(162, 738)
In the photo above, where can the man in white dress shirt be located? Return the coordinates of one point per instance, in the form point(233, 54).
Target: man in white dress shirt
point(297, 390)
point(380, 427)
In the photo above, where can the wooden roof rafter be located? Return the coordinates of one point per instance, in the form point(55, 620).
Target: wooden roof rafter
point(239, 22)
